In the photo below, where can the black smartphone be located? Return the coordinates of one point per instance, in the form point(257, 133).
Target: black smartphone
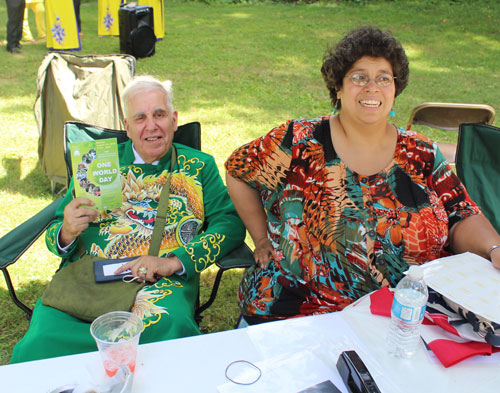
point(104, 269)
point(354, 373)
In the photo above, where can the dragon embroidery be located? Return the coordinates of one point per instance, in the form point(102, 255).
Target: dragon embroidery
point(128, 229)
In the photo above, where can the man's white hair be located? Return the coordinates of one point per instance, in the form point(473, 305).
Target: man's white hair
point(143, 84)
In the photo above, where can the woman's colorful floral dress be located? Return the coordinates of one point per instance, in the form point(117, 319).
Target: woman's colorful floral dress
point(338, 234)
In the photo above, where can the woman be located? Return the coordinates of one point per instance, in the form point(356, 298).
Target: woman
point(341, 205)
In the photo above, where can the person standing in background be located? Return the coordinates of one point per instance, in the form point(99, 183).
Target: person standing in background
point(76, 5)
point(158, 16)
point(62, 27)
point(108, 17)
point(39, 11)
point(15, 15)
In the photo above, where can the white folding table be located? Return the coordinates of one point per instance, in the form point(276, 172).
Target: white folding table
point(295, 352)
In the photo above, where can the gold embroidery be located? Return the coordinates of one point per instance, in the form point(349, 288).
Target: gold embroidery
point(52, 235)
point(211, 243)
point(132, 168)
point(193, 164)
point(168, 282)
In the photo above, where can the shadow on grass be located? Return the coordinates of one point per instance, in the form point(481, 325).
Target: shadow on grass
point(33, 184)
point(224, 312)
point(13, 321)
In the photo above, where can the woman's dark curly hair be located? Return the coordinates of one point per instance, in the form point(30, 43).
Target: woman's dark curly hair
point(364, 41)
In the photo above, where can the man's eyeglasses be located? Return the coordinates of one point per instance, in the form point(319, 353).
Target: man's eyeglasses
point(382, 80)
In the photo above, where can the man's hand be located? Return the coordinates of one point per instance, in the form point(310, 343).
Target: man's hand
point(151, 269)
point(264, 252)
point(76, 220)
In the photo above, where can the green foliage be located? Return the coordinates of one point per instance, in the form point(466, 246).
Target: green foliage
point(241, 69)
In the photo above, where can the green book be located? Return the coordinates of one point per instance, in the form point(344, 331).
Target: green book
point(96, 172)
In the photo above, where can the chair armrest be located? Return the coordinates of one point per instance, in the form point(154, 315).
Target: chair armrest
point(18, 240)
point(241, 257)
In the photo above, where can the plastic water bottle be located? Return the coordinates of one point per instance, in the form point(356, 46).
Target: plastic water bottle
point(407, 313)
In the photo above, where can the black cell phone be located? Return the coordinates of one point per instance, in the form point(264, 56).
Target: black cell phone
point(104, 269)
point(354, 373)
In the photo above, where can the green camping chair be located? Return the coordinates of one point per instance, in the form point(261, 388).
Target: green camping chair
point(478, 166)
point(16, 242)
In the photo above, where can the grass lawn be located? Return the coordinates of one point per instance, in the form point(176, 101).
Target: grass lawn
point(241, 70)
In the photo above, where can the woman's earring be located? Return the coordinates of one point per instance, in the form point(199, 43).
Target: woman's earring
point(392, 113)
point(337, 106)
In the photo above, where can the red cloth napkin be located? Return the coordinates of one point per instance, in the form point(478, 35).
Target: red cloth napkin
point(381, 302)
point(448, 352)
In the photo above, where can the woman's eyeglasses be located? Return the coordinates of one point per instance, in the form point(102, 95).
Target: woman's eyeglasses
point(382, 80)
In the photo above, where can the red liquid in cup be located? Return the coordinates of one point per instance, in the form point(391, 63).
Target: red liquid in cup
point(116, 356)
point(112, 370)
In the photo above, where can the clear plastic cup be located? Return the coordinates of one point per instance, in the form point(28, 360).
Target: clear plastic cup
point(117, 336)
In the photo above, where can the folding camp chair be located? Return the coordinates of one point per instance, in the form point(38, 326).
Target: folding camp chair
point(15, 243)
point(81, 88)
point(449, 116)
point(478, 166)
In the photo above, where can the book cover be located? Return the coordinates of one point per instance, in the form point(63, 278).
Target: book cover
point(96, 172)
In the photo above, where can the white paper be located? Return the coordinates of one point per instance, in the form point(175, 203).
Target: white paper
point(468, 280)
point(109, 270)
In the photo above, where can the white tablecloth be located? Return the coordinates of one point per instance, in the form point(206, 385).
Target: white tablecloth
point(298, 352)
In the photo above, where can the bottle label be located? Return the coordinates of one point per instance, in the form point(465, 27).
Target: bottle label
point(408, 314)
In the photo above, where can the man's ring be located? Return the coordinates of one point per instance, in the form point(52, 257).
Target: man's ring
point(143, 271)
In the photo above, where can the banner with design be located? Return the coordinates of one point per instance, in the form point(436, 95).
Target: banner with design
point(107, 15)
point(159, 16)
point(62, 31)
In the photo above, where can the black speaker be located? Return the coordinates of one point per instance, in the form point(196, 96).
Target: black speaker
point(137, 35)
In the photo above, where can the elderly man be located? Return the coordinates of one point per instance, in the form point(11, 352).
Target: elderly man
point(202, 226)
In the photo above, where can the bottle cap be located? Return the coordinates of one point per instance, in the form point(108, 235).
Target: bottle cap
point(416, 273)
